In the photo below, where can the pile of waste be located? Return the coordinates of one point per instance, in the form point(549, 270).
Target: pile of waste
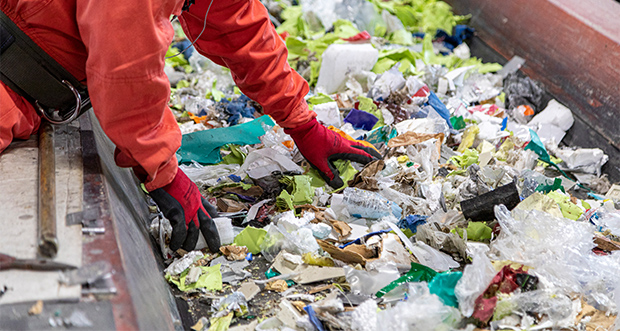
point(476, 217)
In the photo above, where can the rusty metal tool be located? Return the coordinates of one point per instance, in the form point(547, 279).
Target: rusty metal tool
point(9, 262)
point(47, 242)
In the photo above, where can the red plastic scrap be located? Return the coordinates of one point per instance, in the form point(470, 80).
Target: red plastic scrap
point(362, 36)
point(503, 282)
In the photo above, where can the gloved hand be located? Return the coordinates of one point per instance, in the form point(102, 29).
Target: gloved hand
point(321, 146)
point(187, 211)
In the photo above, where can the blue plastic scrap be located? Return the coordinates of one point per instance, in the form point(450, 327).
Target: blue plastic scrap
point(238, 108)
point(460, 34)
point(440, 108)
point(204, 146)
point(361, 119)
point(362, 239)
point(412, 222)
point(313, 319)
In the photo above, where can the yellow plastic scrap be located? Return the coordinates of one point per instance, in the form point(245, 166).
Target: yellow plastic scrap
point(553, 159)
point(485, 146)
point(402, 159)
point(221, 323)
point(468, 138)
point(541, 202)
point(313, 259)
point(500, 264)
point(569, 209)
point(502, 152)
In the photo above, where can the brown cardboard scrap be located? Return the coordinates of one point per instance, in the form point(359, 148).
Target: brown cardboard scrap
point(412, 138)
point(36, 309)
point(598, 319)
point(320, 288)
point(286, 263)
point(342, 228)
point(254, 191)
point(277, 285)
point(229, 205)
point(606, 244)
point(234, 252)
point(249, 290)
point(312, 274)
point(350, 254)
point(365, 179)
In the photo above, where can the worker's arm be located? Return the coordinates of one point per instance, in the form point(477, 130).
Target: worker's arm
point(126, 42)
point(239, 35)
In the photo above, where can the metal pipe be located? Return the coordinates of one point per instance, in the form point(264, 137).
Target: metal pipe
point(47, 241)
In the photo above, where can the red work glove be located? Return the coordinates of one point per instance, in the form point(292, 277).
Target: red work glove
point(187, 211)
point(321, 146)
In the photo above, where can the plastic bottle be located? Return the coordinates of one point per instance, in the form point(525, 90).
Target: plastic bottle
point(367, 204)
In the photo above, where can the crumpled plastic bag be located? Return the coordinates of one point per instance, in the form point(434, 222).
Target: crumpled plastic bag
point(421, 311)
point(476, 277)
point(559, 251)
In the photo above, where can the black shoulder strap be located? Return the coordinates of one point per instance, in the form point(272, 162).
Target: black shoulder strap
point(31, 72)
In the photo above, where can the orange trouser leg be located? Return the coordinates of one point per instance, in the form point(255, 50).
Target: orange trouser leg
point(18, 119)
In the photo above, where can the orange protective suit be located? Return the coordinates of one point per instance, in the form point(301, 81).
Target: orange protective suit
point(117, 48)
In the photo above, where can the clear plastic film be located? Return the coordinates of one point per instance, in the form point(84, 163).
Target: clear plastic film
point(560, 252)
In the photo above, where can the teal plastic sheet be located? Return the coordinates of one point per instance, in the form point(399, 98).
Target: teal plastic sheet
point(204, 146)
point(443, 285)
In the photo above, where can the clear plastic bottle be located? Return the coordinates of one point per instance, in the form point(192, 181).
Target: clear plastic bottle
point(367, 204)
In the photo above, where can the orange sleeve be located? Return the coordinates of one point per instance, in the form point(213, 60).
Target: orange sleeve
point(126, 42)
point(240, 36)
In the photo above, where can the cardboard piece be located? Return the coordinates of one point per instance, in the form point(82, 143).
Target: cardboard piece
point(234, 253)
point(350, 254)
point(249, 290)
point(312, 274)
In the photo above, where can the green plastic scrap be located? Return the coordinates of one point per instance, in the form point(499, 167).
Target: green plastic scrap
point(300, 188)
point(443, 285)
point(346, 170)
point(557, 185)
point(251, 238)
point(319, 99)
point(270, 273)
point(469, 157)
point(221, 323)
point(211, 279)
point(381, 135)
point(388, 58)
point(402, 37)
point(214, 93)
point(245, 186)
point(367, 105)
point(177, 60)
point(204, 146)
point(537, 146)
point(417, 273)
point(569, 209)
point(284, 201)
point(476, 231)
point(236, 156)
point(458, 122)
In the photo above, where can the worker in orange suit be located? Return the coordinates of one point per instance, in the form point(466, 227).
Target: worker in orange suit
point(117, 49)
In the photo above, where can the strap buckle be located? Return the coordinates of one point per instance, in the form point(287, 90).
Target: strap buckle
point(60, 118)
